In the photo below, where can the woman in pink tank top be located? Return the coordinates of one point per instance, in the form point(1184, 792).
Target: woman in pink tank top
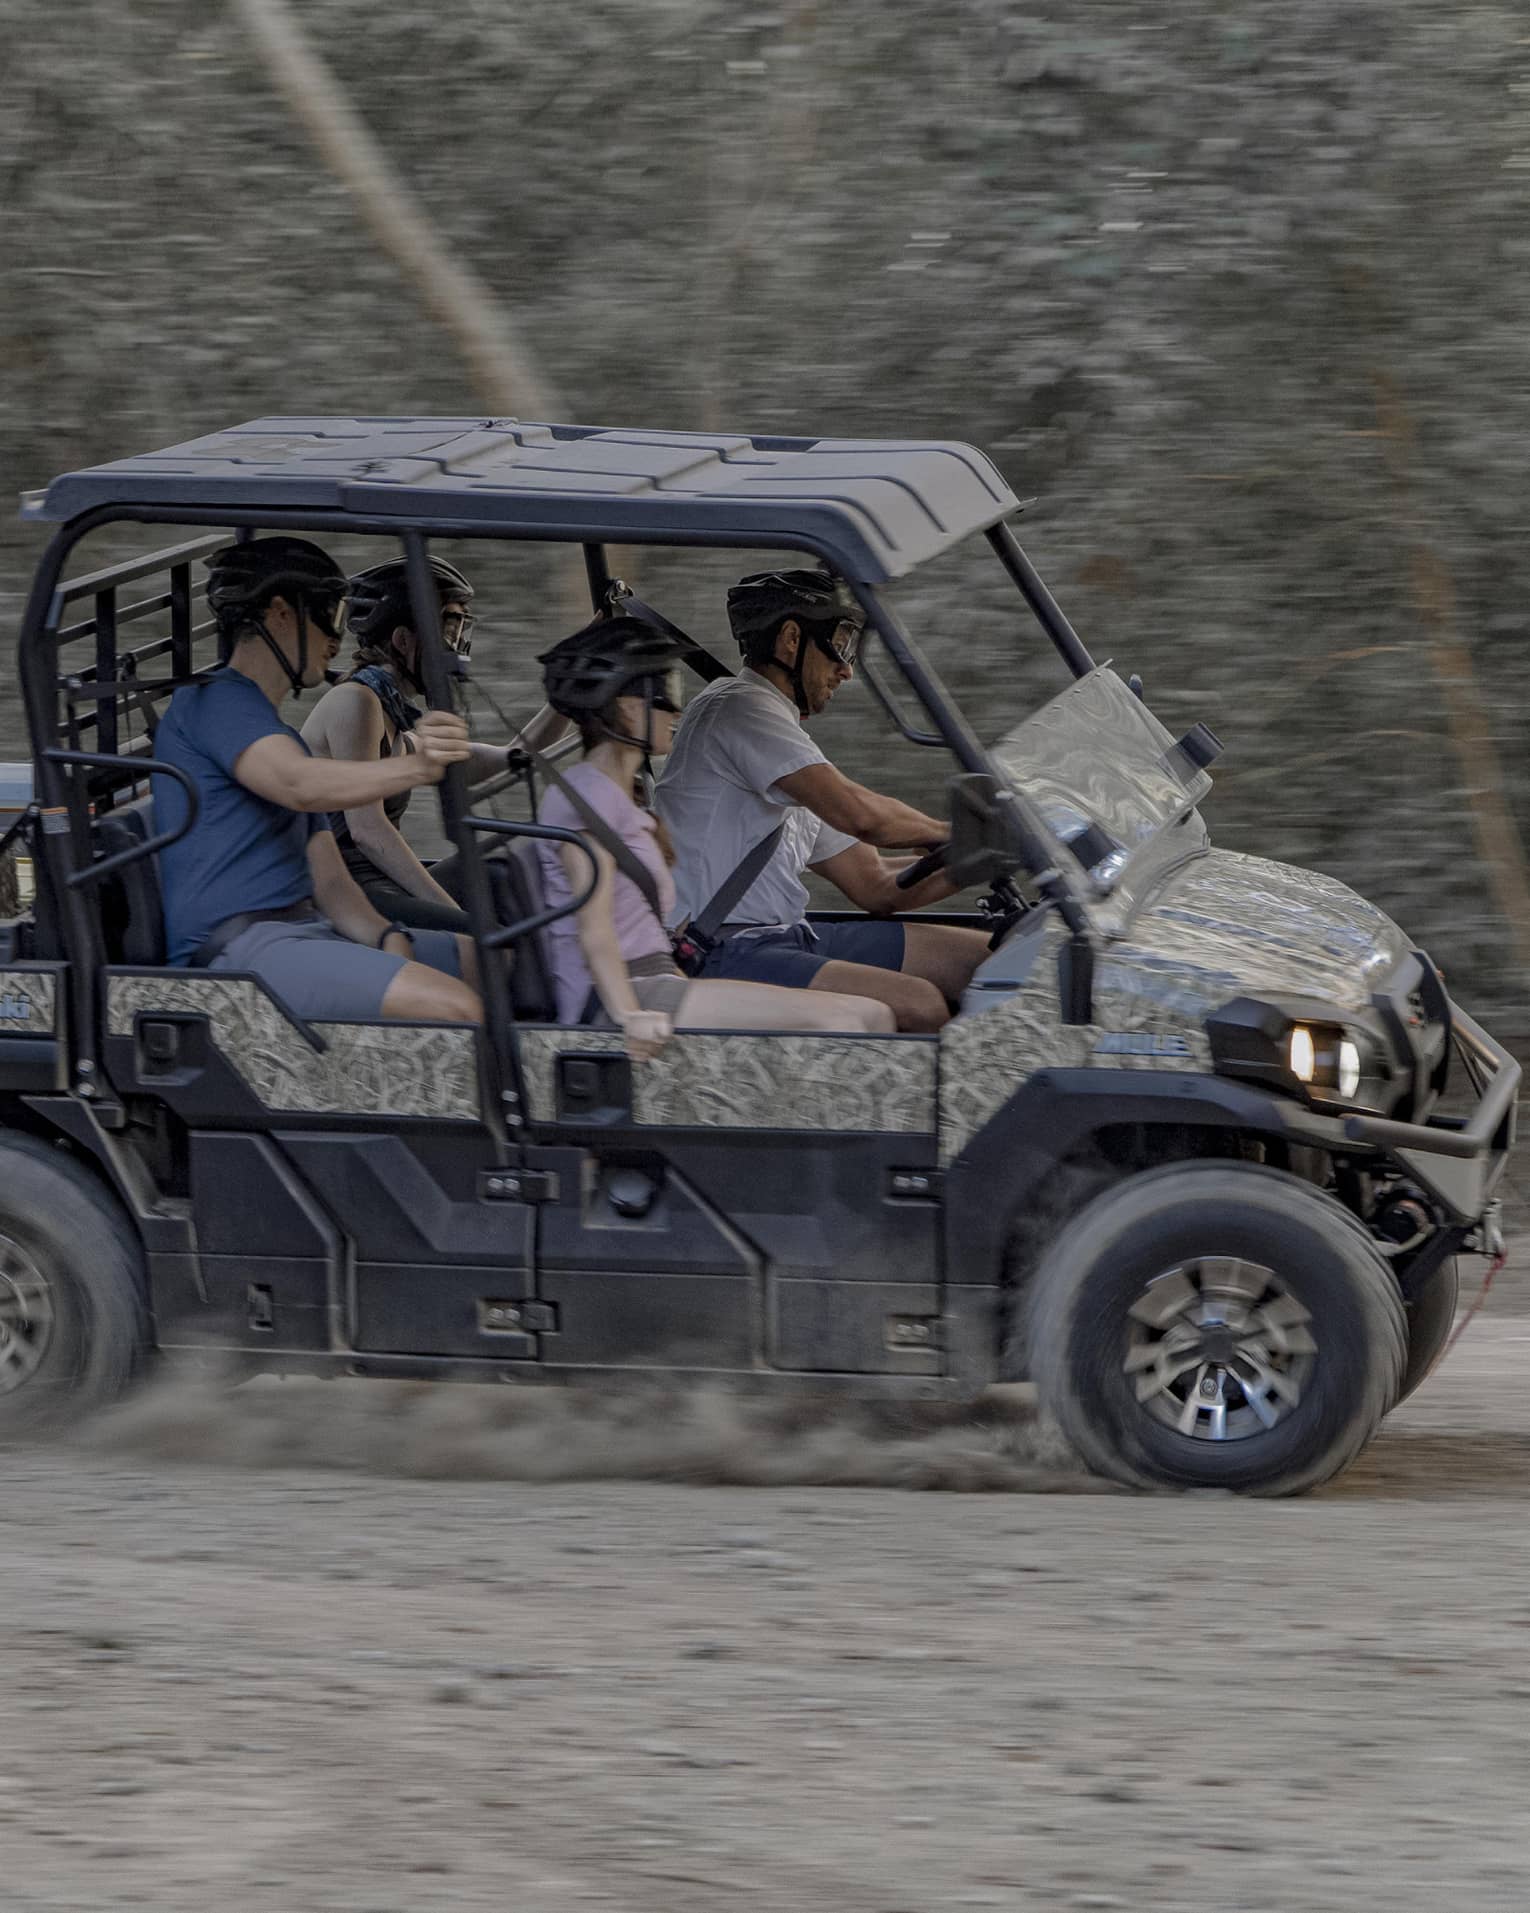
point(617, 679)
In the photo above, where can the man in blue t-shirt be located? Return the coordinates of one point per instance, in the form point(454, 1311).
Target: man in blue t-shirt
point(257, 884)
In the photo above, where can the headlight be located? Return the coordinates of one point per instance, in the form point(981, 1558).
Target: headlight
point(1324, 1058)
point(1292, 1048)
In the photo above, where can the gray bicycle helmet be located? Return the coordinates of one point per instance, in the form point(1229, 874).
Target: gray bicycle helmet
point(380, 601)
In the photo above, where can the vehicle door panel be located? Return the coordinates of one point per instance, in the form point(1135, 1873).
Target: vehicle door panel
point(811, 1160)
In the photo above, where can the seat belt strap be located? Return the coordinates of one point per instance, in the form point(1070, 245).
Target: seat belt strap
point(697, 655)
point(704, 928)
point(621, 854)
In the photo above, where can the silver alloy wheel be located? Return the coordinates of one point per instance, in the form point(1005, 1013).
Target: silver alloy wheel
point(26, 1316)
point(1219, 1349)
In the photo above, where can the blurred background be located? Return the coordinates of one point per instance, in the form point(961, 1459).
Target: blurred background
point(1236, 290)
point(1236, 294)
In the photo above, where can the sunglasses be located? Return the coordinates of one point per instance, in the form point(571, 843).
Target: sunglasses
point(843, 643)
point(663, 693)
point(329, 614)
point(457, 632)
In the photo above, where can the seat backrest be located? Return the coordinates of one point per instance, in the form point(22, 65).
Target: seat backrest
point(132, 909)
point(516, 876)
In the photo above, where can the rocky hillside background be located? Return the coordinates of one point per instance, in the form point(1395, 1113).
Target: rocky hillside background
point(1236, 290)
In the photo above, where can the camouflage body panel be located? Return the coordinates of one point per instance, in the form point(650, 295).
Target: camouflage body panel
point(987, 1055)
point(1233, 925)
point(880, 1085)
point(1224, 926)
point(367, 1069)
point(28, 1002)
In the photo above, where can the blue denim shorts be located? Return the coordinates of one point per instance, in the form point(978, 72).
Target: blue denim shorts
point(322, 976)
point(792, 954)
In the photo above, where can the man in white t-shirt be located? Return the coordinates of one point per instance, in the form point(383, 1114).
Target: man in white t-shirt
point(742, 763)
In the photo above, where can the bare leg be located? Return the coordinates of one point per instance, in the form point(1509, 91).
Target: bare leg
point(916, 1003)
point(419, 994)
point(722, 1005)
point(944, 954)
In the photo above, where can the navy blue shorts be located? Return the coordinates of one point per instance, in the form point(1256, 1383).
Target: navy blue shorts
point(793, 954)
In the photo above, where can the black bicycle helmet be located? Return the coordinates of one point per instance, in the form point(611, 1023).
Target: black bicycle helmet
point(610, 657)
point(242, 580)
point(819, 603)
point(380, 601)
point(760, 604)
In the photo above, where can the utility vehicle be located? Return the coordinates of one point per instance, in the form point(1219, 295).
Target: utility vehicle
point(1182, 1159)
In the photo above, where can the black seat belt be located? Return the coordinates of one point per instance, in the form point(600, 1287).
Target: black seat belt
point(695, 942)
point(697, 655)
point(699, 936)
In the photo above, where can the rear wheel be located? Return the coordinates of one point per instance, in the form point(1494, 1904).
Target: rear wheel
point(73, 1325)
point(1216, 1326)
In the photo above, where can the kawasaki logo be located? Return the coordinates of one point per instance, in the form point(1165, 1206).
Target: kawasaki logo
point(15, 1009)
point(1140, 1043)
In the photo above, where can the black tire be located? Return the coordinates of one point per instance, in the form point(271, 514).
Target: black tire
point(1164, 1221)
point(1431, 1315)
point(73, 1320)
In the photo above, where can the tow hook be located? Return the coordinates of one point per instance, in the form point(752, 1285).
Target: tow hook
point(1487, 1237)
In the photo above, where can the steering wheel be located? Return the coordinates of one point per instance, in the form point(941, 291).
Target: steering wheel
point(926, 866)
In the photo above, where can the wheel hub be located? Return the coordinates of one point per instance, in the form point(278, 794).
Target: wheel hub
point(1218, 1349)
point(26, 1316)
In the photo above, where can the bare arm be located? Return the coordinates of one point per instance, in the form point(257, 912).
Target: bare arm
point(868, 881)
point(383, 844)
point(347, 722)
point(645, 1030)
point(280, 770)
point(545, 729)
point(354, 729)
point(859, 812)
point(342, 899)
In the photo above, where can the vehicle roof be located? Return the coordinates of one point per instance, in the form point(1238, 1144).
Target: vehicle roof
point(874, 508)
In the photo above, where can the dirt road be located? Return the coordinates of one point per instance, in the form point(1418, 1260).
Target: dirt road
point(233, 1680)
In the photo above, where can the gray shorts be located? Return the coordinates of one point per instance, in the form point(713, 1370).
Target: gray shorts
point(657, 983)
point(666, 992)
point(322, 976)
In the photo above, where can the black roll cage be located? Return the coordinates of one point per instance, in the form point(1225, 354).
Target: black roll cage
point(65, 799)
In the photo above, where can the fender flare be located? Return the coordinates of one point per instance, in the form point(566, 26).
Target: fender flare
point(1057, 1109)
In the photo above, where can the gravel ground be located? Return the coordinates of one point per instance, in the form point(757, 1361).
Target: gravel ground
point(443, 1676)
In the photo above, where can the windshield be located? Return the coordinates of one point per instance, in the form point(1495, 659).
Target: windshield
point(1102, 771)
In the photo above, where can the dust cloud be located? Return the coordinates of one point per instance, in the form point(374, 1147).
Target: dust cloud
point(704, 1433)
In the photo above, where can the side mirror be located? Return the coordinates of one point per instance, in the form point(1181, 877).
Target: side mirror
point(983, 843)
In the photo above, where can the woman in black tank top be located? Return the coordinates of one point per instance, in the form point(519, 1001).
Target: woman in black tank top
point(370, 713)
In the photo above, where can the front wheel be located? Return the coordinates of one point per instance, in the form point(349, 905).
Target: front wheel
point(1216, 1326)
point(1431, 1316)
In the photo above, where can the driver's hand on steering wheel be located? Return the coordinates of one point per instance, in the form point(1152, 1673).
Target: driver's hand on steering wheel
point(917, 869)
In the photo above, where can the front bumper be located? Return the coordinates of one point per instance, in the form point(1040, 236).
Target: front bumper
point(1458, 1159)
